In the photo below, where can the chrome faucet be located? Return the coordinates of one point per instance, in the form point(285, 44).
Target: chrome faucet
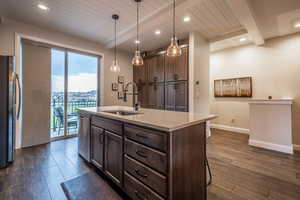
point(134, 94)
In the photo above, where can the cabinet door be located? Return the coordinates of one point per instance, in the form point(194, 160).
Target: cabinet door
point(97, 147)
point(140, 73)
point(181, 66)
point(160, 97)
point(113, 157)
point(84, 137)
point(181, 96)
point(151, 96)
point(170, 68)
point(143, 95)
point(170, 96)
point(156, 96)
point(177, 67)
point(156, 69)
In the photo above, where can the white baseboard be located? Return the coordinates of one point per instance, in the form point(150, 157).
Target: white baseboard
point(230, 128)
point(272, 146)
point(296, 147)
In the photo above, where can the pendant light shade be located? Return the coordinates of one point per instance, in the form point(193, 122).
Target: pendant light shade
point(174, 49)
point(137, 60)
point(115, 64)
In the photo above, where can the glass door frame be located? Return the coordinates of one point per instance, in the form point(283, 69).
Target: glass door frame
point(66, 75)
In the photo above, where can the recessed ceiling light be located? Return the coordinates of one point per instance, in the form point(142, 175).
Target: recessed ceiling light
point(186, 19)
point(157, 32)
point(297, 25)
point(43, 7)
point(137, 42)
point(243, 39)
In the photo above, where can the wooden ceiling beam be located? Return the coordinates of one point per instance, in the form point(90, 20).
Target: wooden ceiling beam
point(244, 13)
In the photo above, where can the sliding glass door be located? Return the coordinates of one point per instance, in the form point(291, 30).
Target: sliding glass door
point(82, 86)
point(57, 93)
point(74, 85)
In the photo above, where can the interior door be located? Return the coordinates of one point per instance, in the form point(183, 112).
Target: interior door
point(36, 74)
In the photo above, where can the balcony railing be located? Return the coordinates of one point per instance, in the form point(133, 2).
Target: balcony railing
point(57, 113)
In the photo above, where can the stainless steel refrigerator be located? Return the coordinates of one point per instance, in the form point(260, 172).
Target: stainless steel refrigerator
point(9, 110)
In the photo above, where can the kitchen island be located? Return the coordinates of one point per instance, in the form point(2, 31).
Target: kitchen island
point(149, 154)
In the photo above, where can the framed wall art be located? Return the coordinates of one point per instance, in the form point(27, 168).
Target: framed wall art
point(233, 87)
point(120, 95)
point(114, 86)
point(121, 79)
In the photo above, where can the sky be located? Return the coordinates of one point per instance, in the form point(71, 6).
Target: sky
point(82, 72)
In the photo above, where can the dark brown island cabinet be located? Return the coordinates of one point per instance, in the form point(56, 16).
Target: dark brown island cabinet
point(163, 81)
point(148, 163)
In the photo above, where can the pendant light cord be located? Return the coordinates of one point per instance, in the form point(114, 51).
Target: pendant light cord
point(174, 19)
point(137, 27)
point(115, 40)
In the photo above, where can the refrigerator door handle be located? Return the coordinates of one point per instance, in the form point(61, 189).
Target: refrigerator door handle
point(19, 95)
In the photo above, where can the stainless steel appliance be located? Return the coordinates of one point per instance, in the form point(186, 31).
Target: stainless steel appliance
point(84, 136)
point(9, 110)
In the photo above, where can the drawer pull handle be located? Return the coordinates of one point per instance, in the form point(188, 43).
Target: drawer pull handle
point(140, 196)
point(141, 136)
point(140, 174)
point(139, 153)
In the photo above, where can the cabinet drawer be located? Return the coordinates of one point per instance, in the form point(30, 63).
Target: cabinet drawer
point(147, 176)
point(155, 159)
point(107, 124)
point(138, 191)
point(148, 137)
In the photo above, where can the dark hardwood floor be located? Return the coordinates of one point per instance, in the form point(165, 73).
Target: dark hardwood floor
point(243, 172)
point(239, 171)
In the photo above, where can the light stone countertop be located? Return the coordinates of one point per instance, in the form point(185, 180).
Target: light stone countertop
point(157, 119)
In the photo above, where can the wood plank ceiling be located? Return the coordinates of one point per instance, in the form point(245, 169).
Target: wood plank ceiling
point(92, 19)
point(88, 19)
point(215, 20)
point(211, 18)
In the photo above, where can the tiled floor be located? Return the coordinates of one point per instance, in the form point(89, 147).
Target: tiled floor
point(239, 171)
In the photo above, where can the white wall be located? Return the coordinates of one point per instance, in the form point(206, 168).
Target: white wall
point(9, 28)
point(275, 69)
point(199, 75)
point(198, 72)
point(7, 47)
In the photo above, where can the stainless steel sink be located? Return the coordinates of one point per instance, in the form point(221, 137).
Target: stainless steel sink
point(122, 112)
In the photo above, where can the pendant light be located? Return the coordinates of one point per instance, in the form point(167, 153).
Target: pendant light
point(174, 50)
point(115, 65)
point(137, 59)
